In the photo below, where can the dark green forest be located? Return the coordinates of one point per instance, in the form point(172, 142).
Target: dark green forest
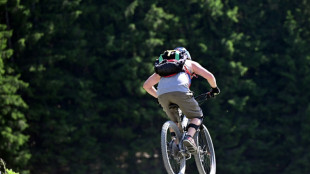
point(71, 76)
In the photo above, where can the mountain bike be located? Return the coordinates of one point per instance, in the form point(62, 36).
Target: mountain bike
point(172, 134)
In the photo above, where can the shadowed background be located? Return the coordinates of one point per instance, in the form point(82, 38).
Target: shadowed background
point(71, 76)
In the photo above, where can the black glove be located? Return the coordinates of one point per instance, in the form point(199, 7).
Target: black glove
point(214, 91)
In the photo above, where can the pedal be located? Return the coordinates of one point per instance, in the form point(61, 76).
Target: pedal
point(185, 154)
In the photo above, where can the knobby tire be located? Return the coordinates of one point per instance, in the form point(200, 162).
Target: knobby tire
point(205, 157)
point(172, 166)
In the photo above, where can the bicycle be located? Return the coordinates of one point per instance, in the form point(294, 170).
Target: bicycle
point(175, 158)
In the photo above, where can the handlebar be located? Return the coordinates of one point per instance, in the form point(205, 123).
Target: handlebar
point(200, 99)
point(203, 97)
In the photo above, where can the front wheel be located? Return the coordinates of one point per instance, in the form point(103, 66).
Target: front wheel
point(174, 163)
point(205, 157)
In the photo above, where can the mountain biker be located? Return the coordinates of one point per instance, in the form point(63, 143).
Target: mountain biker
point(175, 89)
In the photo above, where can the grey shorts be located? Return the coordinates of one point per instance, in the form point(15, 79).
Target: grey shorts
point(186, 102)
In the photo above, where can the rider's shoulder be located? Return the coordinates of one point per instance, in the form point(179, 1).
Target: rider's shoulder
point(191, 62)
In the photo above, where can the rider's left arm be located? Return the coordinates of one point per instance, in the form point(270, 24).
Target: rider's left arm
point(149, 84)
point(198, 69)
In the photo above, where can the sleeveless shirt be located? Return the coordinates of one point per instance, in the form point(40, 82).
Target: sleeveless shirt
point(179, 82)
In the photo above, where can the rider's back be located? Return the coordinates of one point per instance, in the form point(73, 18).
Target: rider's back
point(179, 82)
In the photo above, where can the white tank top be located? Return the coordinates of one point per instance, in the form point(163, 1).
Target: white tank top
point(179, 82)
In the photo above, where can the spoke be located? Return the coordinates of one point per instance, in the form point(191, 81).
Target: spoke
point(204, 157)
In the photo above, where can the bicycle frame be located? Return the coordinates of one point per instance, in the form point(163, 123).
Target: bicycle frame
point(182, 124)
point(183, 154)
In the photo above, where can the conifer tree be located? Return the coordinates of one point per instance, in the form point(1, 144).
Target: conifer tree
point(13, 139)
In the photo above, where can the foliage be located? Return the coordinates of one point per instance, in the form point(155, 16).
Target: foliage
point(13, 122)
point(71, 76)
point(4, 169)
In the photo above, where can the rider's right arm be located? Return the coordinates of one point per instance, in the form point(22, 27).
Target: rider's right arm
point(198, 69)
point(149, 84)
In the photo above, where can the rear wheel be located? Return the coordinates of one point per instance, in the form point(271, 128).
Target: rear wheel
point(205, 157)
point(174, 163)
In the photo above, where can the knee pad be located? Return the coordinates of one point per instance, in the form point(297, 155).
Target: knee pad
point(194, 125)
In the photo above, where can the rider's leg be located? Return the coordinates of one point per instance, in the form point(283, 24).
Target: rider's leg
point(191, 130)
point(188, 140)
point(175, 141)
point(173, 135)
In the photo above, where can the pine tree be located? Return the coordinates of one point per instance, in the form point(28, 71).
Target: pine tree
point(13, 123)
